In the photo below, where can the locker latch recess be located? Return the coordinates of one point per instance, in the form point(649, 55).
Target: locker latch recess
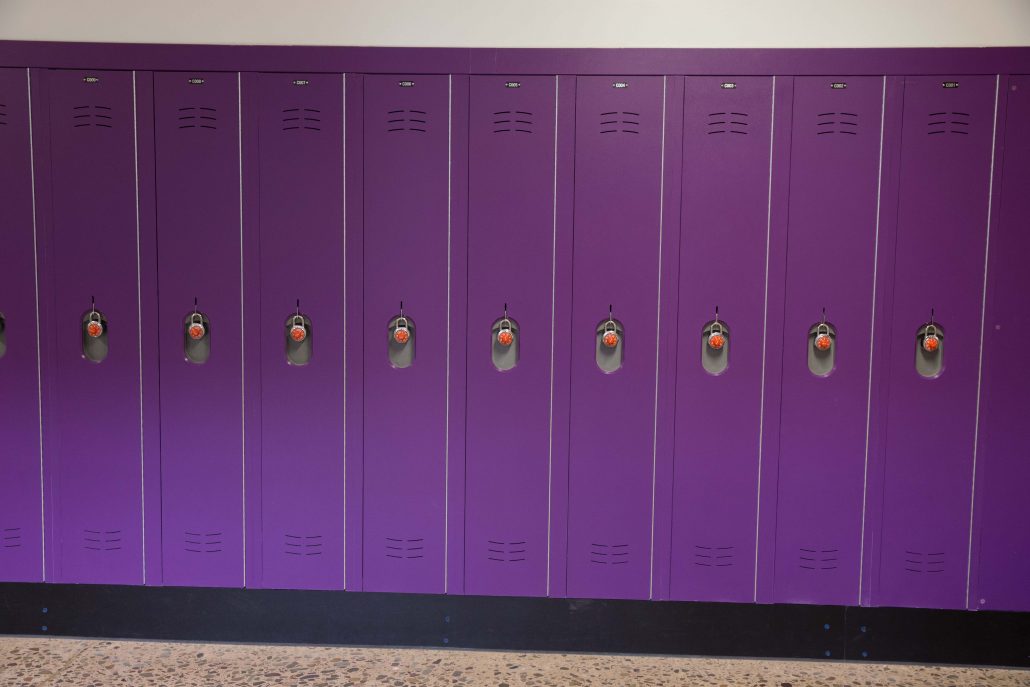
point(930, 349)
point(822, 348)
point(298, 338)
point(400, 347)
point(609, 344)
point(94, 335)
point(196, 338)
point(715, 346)
point(505, 340)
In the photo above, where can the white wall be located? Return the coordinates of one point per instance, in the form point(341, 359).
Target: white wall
point(526, 23)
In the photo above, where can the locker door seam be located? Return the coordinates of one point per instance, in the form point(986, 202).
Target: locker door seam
point(783, 319)
point(658, 338)
point(139, 334)
point(765, 333)
point(550, 409)
point(39, 363)
point(675, 367)
point(243, 368)
point(872, 343)
point(899, 160)
point(983, 314)
point(343, 163)
point(447, 373)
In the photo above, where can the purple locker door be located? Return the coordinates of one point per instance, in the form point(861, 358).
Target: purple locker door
point(198, 239)
point(723, 245)
point(95, 460)
point(21, 545)
point(620, 124)
point(406, 237)
point(939, 267)
point(301, 218)
point(511, 239)
point(1001, 503)
point(835, 153)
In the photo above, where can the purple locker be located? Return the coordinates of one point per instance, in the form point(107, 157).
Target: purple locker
point(198, 239)
point(723, 246)
point(94, 459)
point(406, 236)
point(301, 219)
point(21, 545)
point(835, 162)
point(511, 239)
point(1001, 503)
point(939, 269)
point(620, 124)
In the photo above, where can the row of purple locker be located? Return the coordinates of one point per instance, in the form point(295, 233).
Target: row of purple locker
point(737, 339)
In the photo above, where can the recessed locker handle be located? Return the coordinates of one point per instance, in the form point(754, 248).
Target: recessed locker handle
point(400, 348)
point(196, 339)
point(715, 346)
point(609, 348)
point(505, 342)
point(299, 339)
point(94, 330)
point(930, 349)
point(822, 348)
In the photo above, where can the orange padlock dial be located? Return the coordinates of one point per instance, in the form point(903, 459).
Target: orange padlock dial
point(610, 339)
point(823, 342)
point(298, 333)
point(196, 331)
point(716, 341)
point(505, 337)
point(931, 343)
point(401, 335)
point(94, 329)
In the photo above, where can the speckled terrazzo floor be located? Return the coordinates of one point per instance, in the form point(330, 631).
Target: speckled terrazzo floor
point(28, 662)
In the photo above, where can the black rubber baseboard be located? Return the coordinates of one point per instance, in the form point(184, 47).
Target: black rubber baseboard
point(477, 622)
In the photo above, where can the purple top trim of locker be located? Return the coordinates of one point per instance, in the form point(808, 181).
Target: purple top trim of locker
point(630, 61)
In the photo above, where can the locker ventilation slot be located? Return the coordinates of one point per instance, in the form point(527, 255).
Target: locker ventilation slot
point(406, 120)
point(728, 122)
point(203, 542)
point(10, 538)
point(404, 548)
point(92, 115)
point(620, 122)
point(714, 556)
point(102, 540)
point(948, 123)
point(302, 119)
point(919, 562)
point(505, 551)
point(3, 115)
point(836, 123)
point(817, 559)
point(302, 544)
point(609, 554)
point(513, 122)
point(198, 118)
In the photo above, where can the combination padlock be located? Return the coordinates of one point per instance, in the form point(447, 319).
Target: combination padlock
point(716, 337)
point(505, 336)
point(401, 331)
point(298, 332)
point(931, 339)
point(823, 341)
point(94, 327)
point(196, 328)
point(610, 337)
